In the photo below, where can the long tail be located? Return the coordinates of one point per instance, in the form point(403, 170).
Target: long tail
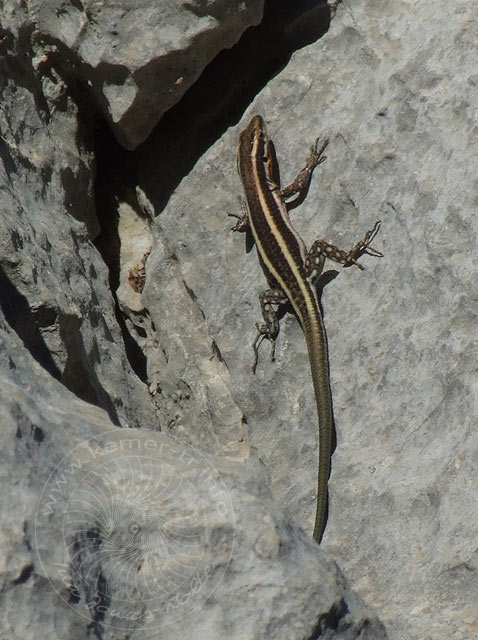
point(316, 340)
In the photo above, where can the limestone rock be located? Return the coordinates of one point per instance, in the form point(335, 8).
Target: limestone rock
point(136, 60)
point(108, 307)
point(394, 92)
point(108, 532)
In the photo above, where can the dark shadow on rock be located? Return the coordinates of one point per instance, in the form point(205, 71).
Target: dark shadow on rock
point(221, 95)
point(78, 375)
point(19, 316)
point(215, 102)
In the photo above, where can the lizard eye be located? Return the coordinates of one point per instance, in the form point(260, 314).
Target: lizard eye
point(265, 159)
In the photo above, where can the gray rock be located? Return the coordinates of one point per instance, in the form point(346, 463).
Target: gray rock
point(136, 60)
point(55, 285)
point(107, 532)
point(112, 533)
point(394, 92)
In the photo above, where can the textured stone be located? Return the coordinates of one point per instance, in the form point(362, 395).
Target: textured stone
point(111, 532)
point(394, 91)
point(134, 60)
point(55, 285)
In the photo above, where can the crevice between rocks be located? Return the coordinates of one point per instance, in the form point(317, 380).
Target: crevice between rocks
point(214, 103)
point(26, 324)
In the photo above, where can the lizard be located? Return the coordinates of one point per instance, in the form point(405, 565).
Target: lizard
point(292, 274)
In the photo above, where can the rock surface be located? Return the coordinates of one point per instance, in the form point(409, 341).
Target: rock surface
point(112, 533)
point(55, 286)
point(395, 93)
point(150, 318)
point(136, 60)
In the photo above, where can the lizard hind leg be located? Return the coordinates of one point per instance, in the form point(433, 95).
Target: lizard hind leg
point(269, 300)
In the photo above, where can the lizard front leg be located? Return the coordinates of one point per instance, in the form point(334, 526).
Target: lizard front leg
point(315, 157)
point(321, 250)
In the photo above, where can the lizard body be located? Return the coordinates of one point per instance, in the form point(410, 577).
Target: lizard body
point(290, 270)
